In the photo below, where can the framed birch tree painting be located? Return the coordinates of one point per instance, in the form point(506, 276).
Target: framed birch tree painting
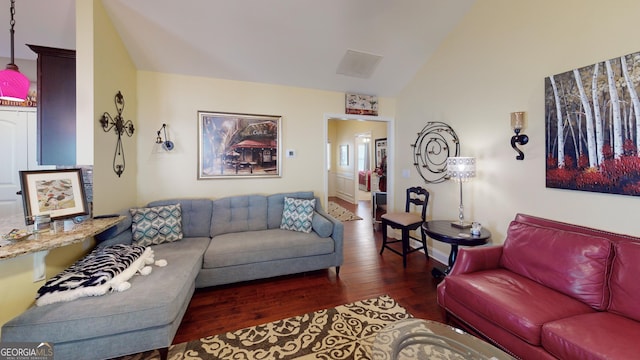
point(592, 119)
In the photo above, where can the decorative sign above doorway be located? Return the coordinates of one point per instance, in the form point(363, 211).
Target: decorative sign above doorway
point(361, 104)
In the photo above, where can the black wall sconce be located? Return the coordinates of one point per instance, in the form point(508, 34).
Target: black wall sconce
point(166, 144)
point(517, 124)
point(120, 127)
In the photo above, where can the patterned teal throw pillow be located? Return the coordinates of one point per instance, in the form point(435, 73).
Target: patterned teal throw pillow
point(298, 214)
point(156, 225)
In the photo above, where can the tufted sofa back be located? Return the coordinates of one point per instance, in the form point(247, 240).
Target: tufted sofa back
point(239, 213)
point(196, 215)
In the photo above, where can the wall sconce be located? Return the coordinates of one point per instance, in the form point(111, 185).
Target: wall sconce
point(166, 144)
point(517, 124)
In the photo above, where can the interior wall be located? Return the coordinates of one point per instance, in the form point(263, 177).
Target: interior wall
point(176, 100)
point(113, 72)
point(492, 64)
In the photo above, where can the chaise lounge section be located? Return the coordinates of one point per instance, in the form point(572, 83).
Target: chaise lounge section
point(223, 241)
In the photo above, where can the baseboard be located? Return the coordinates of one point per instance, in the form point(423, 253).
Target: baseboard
point(435, 254)
point(346, 197)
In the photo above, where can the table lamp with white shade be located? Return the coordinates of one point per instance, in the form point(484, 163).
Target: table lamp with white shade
point(461, 169)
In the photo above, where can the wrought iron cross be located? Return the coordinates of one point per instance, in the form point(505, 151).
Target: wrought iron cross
point(120, 126)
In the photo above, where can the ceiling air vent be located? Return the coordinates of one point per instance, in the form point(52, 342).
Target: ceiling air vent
point(358, 64)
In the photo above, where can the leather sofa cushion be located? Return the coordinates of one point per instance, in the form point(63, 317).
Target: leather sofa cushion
point(624, 283)
point(571, 263)
point(513, 302)
point(601, 335)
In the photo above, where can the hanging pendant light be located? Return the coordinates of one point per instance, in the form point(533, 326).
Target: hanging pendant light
point(13, 85)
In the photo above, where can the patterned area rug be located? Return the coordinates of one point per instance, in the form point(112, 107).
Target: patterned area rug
point(341, 213)
point(344, 332)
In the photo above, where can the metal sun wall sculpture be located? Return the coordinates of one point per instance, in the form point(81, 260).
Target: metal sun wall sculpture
point(592, 117)
point(120, 126)
point(435, 143)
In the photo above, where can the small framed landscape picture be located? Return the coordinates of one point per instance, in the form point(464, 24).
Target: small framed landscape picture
point(59, 193)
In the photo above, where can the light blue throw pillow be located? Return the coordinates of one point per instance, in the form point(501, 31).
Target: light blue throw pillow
point(298, 214)
point(156, 225)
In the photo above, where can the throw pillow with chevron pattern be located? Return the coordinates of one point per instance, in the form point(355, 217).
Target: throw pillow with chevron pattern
point(156, 225)
point(298, 214)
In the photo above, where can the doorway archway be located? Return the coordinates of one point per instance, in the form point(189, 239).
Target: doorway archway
point(390, 141)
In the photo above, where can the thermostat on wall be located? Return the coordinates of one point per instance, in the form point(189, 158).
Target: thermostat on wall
point(291, 153)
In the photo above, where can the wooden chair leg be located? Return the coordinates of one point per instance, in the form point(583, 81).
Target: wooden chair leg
point(405, 246)
point(384, 236)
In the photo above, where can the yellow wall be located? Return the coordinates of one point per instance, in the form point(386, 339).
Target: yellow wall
point(113, 71)
point(103, 67)
point(175, 100)
point(345, 133)
point(492, 64)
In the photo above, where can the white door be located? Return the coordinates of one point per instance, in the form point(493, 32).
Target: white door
point(14, 152)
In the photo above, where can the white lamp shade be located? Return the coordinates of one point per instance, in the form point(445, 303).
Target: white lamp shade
point(461, 168)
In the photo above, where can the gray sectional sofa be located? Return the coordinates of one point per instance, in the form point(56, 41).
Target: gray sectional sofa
point(223, 241)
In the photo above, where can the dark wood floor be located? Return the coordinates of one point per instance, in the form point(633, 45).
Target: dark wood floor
point(364, 274)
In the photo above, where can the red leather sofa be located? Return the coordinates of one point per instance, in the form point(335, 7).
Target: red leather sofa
point(552, 290)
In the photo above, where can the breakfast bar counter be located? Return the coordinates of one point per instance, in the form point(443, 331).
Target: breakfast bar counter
point(48, 240)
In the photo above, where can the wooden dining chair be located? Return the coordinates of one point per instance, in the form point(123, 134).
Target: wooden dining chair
point(407, 221)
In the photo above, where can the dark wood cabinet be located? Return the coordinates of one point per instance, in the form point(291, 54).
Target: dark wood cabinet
point(56, 105)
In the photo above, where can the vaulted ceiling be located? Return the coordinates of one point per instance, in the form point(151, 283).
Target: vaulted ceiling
point(289, 42)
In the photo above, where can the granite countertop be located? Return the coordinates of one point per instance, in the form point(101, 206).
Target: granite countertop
point(48, 240)
point(9, 222)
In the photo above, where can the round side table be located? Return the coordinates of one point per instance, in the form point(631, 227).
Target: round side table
point(442, 230)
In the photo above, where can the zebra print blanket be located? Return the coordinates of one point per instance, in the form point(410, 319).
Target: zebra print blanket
point(103, 270)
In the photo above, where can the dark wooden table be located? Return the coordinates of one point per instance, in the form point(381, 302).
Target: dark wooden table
point(442, 230)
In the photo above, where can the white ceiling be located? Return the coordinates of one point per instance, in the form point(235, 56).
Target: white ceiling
point(288, 42)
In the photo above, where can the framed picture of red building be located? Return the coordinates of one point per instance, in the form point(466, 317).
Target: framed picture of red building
point(233, 145)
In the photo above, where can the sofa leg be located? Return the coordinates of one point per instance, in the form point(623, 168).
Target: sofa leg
point(337, 270)
point(445, 316)
point(164, 353)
